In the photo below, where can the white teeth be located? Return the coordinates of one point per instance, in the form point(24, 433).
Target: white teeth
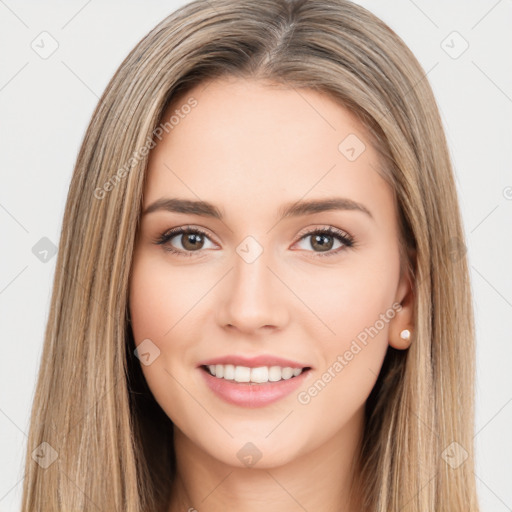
point(229, 372)
point(257, 375)
point(242, 374)
point(287, 373)
point(274, 373)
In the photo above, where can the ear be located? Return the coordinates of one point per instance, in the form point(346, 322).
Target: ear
point(405, 316)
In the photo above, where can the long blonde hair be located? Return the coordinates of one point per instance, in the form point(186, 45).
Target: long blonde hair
point(109, 444)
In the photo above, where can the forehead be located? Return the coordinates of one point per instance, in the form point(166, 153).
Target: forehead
point(248, 144)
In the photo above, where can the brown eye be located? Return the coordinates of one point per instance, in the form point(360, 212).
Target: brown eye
point(184, 241)
point(322, 242)
point(192, 241)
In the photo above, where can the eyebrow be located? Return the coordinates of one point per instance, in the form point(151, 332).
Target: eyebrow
point(294, 209)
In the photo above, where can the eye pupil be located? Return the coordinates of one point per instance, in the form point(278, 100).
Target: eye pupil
point(321, 241)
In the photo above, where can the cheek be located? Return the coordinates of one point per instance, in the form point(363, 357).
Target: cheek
point(350, 359)
point(348, 302)
point(161, 296)
point(353, 309)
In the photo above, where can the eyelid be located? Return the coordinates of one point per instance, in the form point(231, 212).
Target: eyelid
point(324, 228)
point(188, 228)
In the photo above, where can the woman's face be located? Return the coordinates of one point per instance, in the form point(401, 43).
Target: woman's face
point(259, 289)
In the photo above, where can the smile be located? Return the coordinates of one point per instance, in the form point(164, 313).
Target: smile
point(258, 375)
point(244, 386)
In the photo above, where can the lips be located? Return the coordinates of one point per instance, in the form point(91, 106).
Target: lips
point(250, 391)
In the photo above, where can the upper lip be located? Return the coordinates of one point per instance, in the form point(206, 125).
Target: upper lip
point(253, 362)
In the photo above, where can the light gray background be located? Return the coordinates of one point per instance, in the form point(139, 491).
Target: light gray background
point(46, 104)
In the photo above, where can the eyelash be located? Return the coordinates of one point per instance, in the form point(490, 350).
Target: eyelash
point(344, 238)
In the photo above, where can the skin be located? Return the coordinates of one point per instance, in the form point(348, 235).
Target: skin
point(249, 148)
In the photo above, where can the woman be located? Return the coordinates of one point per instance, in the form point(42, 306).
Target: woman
point(260, 297)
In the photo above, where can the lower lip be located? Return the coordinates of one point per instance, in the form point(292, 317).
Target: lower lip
point(245, 394)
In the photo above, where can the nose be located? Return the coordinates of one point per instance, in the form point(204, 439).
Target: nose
point(252, 297)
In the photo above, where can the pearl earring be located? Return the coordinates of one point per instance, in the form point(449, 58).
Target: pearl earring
point(405, 334)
